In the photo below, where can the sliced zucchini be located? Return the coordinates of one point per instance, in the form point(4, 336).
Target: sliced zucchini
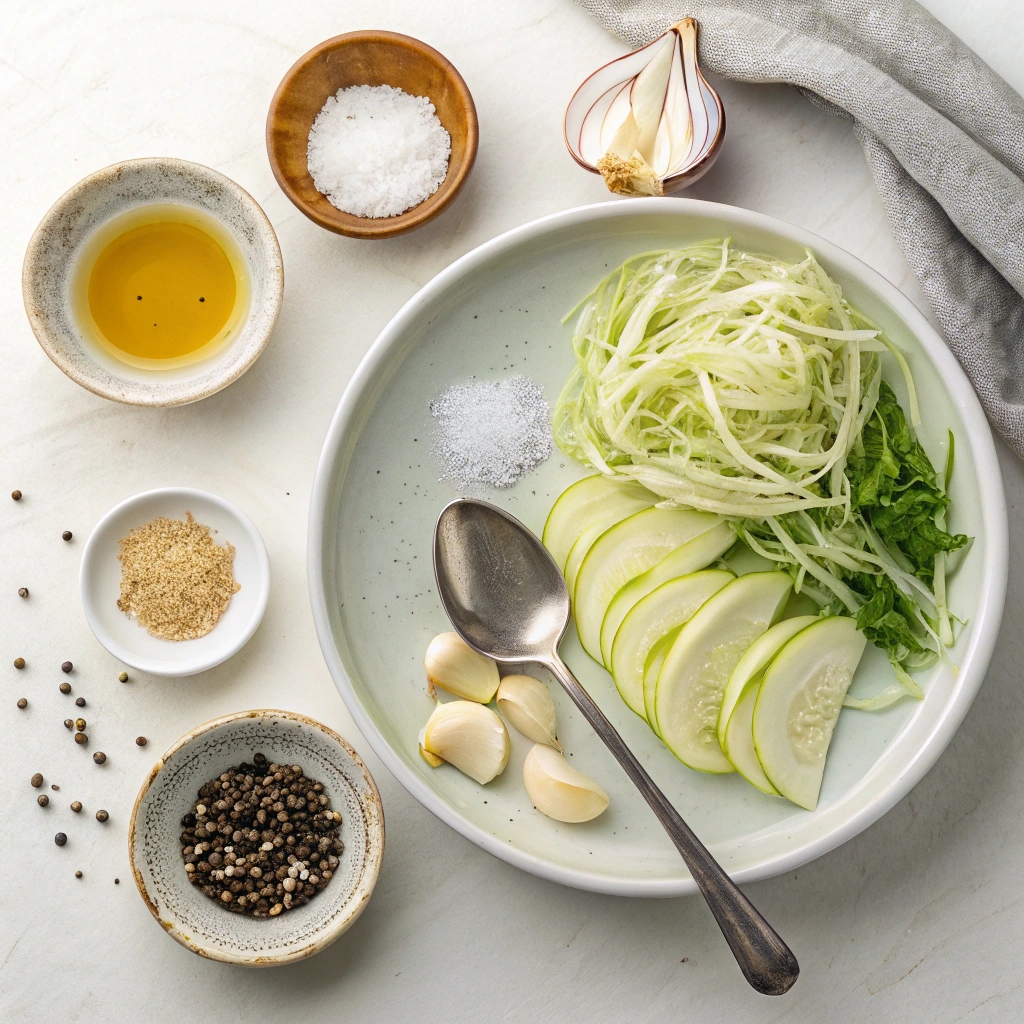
point(652, 669)
point(799, 702)
point(652, 618)
point(698, 665)
point(734, 720)
point(586, 502)
point(687, 558)
point(621, 554)
point(603, 517)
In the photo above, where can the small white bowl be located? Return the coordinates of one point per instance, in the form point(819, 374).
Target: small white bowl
point(52, 258)
point(100, 583)
point(168, 793)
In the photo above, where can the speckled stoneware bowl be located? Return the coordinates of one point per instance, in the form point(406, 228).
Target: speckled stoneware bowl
point(50, 262)
point(169, 792)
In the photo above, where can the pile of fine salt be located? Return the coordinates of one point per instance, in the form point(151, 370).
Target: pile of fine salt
point(376, 151)
point(491, 433)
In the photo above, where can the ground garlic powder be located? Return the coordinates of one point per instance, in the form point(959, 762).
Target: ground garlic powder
point(175, 580)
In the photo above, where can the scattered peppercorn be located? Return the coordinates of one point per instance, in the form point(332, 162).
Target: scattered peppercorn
point(19, 662)
point(22, 703)
point(80, 737)
point(141, 741)
point(22, 591)
point(66, 666)
point(76, 805)
point(37, 780)
point(66, 535)
point(65, 687)
point(117, 881)
point(55, 787)
point(60, 839)
point(102, 815)
point(69, 723)
point(42, 799)
point(80, 724)
point(261, 838)
point(80, 702)
point(16, 495)
point(123, 677)
point(78, 874)
point(99, 757)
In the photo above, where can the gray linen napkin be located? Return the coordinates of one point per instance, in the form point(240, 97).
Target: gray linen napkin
point(943, 135)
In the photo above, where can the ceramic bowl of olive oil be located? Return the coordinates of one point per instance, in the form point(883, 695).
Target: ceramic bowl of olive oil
point(154, 282)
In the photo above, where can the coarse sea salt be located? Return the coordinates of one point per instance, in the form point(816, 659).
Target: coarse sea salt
point(376, 151)
point(491, 432)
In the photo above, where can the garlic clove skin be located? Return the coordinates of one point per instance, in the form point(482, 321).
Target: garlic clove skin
point(454, 666)
point(527, 704)
point(469, 736)
point(432, 759)
point(559, 790)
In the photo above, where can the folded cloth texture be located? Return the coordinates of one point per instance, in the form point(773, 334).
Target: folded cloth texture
point(943, 135)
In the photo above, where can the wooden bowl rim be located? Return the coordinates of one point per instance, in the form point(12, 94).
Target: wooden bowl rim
point(337, 220)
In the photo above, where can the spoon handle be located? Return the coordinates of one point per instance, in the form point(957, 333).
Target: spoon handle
point(765, 960)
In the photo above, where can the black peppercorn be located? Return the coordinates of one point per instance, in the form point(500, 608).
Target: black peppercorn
point(16, 495)
point(22, 591)
point(102, 815)
point(78, 874)
point(66, 666)
point(80, 702)
point(22, 703)
point(141, 741)
point(64, 687)
point(69, 723)
point(76, 805)
point(80, 737)
point(42, 799)
point(66, 535)
point(19, 662)
point(99, 757)
point(60, 839)
point(37, 780)
point(55, 787)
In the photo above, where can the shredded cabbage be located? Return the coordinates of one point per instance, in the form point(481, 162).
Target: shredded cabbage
point(748, 387)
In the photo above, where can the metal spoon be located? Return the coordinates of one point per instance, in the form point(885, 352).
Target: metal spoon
point(506, 597)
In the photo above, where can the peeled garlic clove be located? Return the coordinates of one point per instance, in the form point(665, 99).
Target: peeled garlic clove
point(454, 666)
point(527, 704)
point(559, 790)
point(432, 759)
point(469, 736)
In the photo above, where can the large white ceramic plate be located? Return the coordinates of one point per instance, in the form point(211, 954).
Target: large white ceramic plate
point(498, 311)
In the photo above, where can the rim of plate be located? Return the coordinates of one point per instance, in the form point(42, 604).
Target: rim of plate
point(155, 666)
point(978, 438)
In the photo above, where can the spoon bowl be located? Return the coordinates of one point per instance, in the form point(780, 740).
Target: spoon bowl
point(501, 589)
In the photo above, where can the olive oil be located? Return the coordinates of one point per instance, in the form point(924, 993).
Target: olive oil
point(161, 286)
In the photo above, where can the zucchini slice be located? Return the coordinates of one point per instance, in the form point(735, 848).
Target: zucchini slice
point(799, 702)
point(735, 718)
point(698, 665)
point(687, 558)
point(652, 618)
point(621, 554)
point(586, 502)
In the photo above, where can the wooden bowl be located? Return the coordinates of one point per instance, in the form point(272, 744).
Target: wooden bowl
point(367, 58)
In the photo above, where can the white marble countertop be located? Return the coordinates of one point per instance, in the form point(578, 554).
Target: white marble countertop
point(917, 919)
